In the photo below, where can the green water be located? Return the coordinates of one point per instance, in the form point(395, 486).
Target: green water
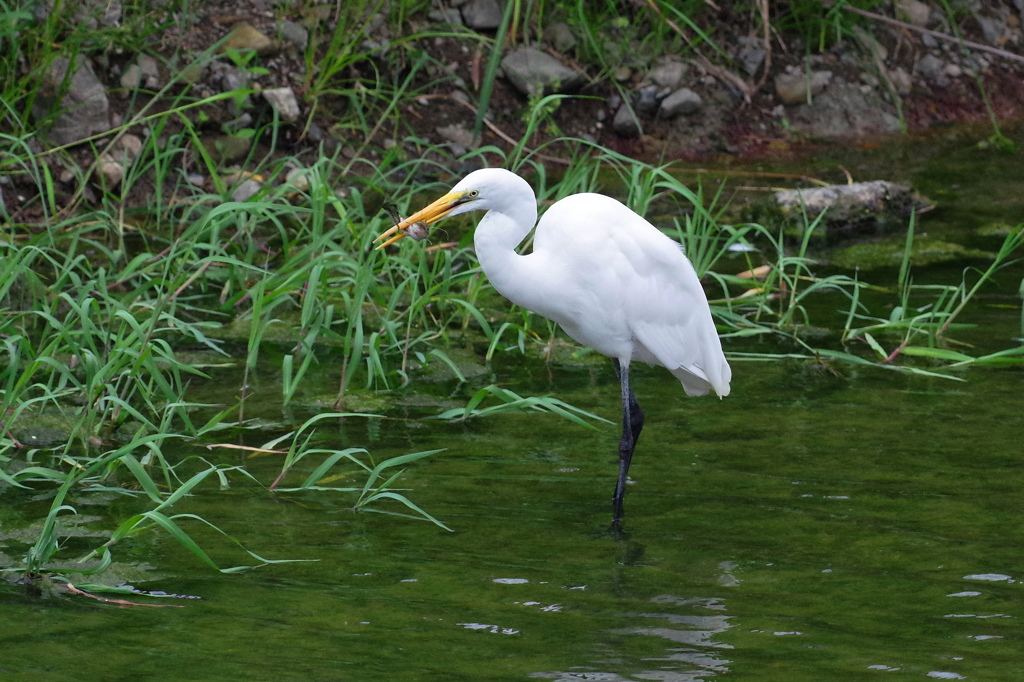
point(819, 524)
point(806, 528)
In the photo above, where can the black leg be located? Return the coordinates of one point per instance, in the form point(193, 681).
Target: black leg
point(632, 424)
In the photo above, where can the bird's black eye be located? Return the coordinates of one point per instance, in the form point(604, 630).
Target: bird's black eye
point(472, 194)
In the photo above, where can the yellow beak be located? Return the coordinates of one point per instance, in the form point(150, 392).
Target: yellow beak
point(429, 215)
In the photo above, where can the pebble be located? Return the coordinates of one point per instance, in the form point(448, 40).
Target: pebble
point(534, 72)
point(284, 102)
point(559, 36)
point(245, 36)
point(246, 190)
point(296, 34)
point(795, 87)
point(482, 14)
point(681, 102)
point(625, 122)
point(668, 74)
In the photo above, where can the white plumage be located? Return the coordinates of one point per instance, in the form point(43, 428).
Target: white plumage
point(608, 277)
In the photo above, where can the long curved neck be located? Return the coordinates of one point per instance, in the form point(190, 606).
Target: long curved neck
point(498, 234)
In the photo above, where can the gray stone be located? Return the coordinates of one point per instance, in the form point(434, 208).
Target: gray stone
point(901, 80)
point(559, 36)
point(534, 72)
point(232, 78)
point(992, 26)
point(131, 79)
point(647, 99)
point(246, 190)
point(913, 12)
point(284, 102)
point(113, 162)
point(298, 179)
point(457, 134)
point(930, 68)
point(296, 34)
point(680, 102)
point(83, 107)
point(667, 74)
point(482, 15)
point(795, 87)
point(149, 70)
point(845, 111)
point(625, 122)
point(751, 53)
point(144, 72)
point(446, 16)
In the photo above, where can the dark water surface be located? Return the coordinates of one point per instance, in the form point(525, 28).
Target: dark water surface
point(809, 527)
point(812, 526)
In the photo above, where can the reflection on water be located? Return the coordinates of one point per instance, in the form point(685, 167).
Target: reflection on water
point(685, 625)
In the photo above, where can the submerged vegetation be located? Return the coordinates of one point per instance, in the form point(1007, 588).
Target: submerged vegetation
point(121, 304)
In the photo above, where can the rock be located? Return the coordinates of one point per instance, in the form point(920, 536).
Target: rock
point(150, 71)
point(668, 74)
point(298, 179)
point(131, 79)
point(232, 78)
point(284, 102)
point(245, 36)
point(682, 101)
point(446, 16)
point(845, 111)
point(192, 73)
point(111, 170)
point(83, 108)
point(113, 162)
point(534, 72)
point(913, 12)
point(482, 15)
point(144, 72)
point(852, 210)
point(457, 135)
point(296, 34)
point(646, 99)
point(246, 190)
point(559, 36)
point(751, 53)
point(625, 122)
point(930, 68)
point(796, 87)
point(901, 80)
point(130, 145)
point(228, 147)
point(993, 27)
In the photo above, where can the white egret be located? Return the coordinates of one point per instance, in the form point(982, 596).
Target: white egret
point(608, 277)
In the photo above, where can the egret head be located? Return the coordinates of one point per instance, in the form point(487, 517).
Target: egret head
point(483, 189)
